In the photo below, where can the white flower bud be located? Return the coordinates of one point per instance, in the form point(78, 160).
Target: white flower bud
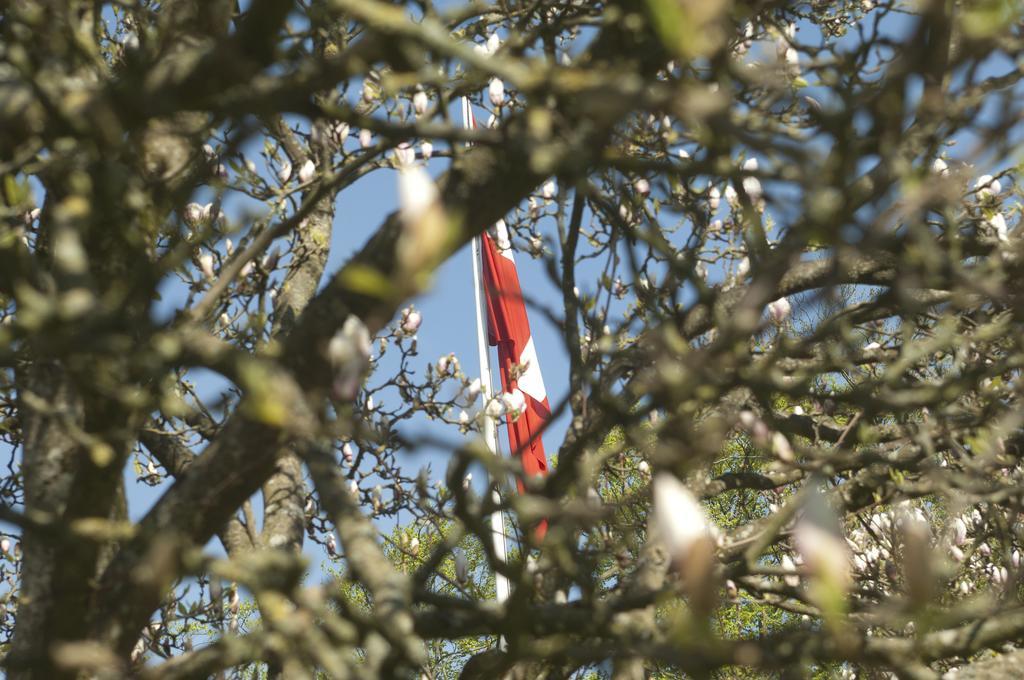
point(782, 448)
point(339, 133)
point(307, 172)
point(548, 190)
point(473, 391)
point(714, 198)
point(515, 401)
point(939, 167)
point(493, 43)
point(495, 408)
point(998, 224)
point(743, 268)
point(369, 91)
point(792, 580)
point(404, 155)
point(420, 102)
point(461, 568)
point(642, 186)
point(644, 468)
point(463, 418)
point(284, 172)
point(426, 150)
point(206, 265)
point(681, 521)
point(496, 92)
point(365, 138)
point(5, 545)
point(987, 186)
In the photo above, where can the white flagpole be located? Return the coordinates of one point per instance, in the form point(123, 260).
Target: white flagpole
point(490, 430)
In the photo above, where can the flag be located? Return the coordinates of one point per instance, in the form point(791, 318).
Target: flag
point(509, 329)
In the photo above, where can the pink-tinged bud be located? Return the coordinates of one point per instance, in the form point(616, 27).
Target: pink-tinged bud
point(5, 545)
point(193, 214)
point(420, 102)
point(956, 553)
point(548, 190)
point(353, 487)
point(642, 186)
point(730, 588)
point(496, 91)
point(1015, 559)
point(307, 172)
point(351, 344)
point(347, 452)
point(987, 186)
point(714, 199)
point(284, 172)
point(365, 138)
point(985, 550)
point(779, 310)
point(206, 265)
point(493, 43)
point(939, 167)
point(411, 321)
point(426, 150)
point(442, 365)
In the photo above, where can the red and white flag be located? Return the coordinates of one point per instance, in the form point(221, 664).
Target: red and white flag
point(509, 330)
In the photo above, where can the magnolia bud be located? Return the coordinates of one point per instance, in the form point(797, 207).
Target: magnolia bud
point(939, 167)
point(743, 268)
point(339, 133)
point(730, 588)
point(423, 218)
point(644, 468)
point(414, 546)
point(779, 310)
point(642, 186)
point(461, 568)
point(347, 452)
point(307, 172)
point(365, 138)
point(493, 43)
point(687, 534)
point(495, 408)
point(548, 190)
point(353, 487)
point(404, 155)
point(5, 545)
point(206, 265)
point(714, 198)
point(496, 91)
point(515, 401)
point(792, 580)
point(411, 321)
point(419, 102)
point(732, 199)
point(369, 91)
point(959, 531)
point(473, 391)
point(426, 150)
point(987, 186)
point(284, 172)
point(332, 546)
point(998, 224)
point(463, 418)
point(782, 448)
point(193, 214)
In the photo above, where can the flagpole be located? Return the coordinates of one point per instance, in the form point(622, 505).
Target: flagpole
point(490, 430)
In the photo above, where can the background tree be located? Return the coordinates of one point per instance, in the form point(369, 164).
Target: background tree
point(784, 242)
